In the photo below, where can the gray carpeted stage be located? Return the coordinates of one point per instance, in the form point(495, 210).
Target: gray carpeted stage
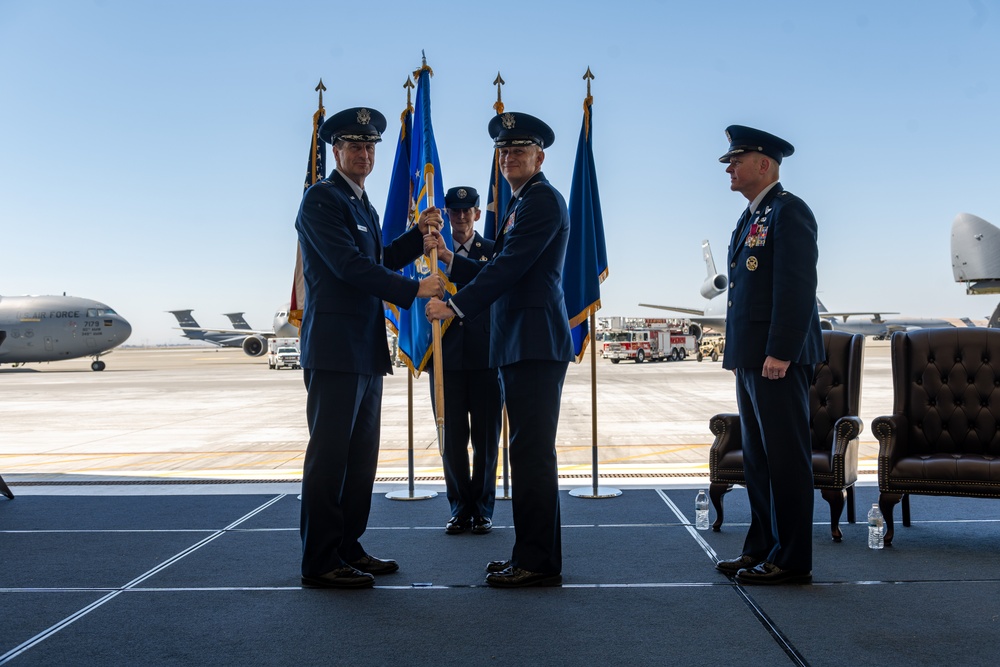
point(213, 579)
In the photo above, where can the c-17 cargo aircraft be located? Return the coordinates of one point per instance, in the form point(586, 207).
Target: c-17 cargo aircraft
point(868, 323)
point(53, 328)
point(253, 342)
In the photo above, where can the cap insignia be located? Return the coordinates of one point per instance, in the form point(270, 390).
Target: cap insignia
point(364, 116)
point(462, 193)
point(508, 121)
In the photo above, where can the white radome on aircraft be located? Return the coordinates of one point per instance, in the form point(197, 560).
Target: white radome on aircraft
point(252, 341)
point(867, 322)
point(54, 328)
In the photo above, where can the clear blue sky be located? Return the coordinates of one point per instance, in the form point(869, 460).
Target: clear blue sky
point(152, 153)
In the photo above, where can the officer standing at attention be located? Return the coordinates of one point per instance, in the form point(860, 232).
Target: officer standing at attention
point(472, 400)
point(529, 342)
point(773, 341)
point(348, 274)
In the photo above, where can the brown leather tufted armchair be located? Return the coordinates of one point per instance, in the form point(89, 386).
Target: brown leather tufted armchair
point(835, 397)
point(943, 437)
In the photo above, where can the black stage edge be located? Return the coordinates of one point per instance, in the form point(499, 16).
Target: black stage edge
point(214, 579)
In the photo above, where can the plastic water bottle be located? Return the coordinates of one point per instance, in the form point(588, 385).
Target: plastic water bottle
point(701, 511)
point(876, 527)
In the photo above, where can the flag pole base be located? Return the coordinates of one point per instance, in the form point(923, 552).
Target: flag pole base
point(407, 494)
point(599, 492)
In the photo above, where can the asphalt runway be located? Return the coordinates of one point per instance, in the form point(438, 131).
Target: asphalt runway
point(216, 414)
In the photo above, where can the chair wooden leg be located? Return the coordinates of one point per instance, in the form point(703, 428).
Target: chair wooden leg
point(716, 491)
point(886, 503)
point(4, 489)
point(852, 516)
point(836, 498)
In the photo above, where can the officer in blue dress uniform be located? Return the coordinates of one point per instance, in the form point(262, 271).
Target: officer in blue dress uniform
point(773, 341)
point(529, 342)
point(472, 402)
point(348, 274)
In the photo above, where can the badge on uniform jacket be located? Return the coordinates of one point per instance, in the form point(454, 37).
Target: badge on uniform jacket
point(751, 263)
point(758, 234)
point(510, 222)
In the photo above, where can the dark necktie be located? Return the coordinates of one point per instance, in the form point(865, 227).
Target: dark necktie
point(371, 217)
point(741, 227)
point(462, 250)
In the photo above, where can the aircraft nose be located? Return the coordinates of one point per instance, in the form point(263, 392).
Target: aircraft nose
point(122, 330)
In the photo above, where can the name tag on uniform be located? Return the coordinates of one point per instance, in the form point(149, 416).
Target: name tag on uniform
point(362, 228)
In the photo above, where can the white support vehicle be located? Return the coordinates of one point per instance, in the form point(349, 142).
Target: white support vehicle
point(644, 344)
point(282, 353)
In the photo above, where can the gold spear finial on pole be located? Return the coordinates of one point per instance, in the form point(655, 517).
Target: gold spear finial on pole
point(498, 107)
point(409, 105)
point(409, 86)
point(589, 101)
point(320, 87)
point(589, 76)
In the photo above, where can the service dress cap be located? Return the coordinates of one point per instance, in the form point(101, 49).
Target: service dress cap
point(520, 129)
point(744, 139)
point(461, 197)
point(356, 124)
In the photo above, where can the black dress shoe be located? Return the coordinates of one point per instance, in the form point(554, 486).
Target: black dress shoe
point(342, 577)
point(733, 566)
point(770, 574)
point(515, 577)
point(482, 525)
point(373, 565)
point(457, 524)
point(497, 565)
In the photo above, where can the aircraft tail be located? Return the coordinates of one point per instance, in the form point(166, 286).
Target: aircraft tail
point(975, 254)
point(706, 253)
point(185, 320)
point(238, 321)
point(994, 322)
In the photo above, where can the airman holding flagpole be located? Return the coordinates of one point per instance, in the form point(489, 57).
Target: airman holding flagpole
point(348, 274)
point(529, 341)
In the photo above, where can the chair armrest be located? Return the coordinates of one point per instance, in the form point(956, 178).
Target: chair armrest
point(846, 429)
point(891, 433)
point(728, 436)
point(890, 430)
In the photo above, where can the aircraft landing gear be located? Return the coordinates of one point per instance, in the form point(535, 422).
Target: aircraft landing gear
point(98, 365)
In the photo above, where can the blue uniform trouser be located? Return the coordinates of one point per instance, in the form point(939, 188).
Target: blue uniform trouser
point(532, 391)
point(472, 410)
point(777, 463)
point(344, 413)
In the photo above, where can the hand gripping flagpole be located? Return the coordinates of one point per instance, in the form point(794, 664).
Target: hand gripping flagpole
point(436, 338)
point(410, 493)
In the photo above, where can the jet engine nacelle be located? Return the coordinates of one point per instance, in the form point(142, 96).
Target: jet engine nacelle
point(714, 286)
point(255, 346)
point(696, 331)
point(826, 325)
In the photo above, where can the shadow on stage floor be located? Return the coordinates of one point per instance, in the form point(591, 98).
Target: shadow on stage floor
point(213, 579)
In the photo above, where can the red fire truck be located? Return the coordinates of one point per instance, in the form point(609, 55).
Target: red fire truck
point(640, 344)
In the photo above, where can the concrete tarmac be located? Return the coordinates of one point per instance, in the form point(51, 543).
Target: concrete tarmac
point(201, 414)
